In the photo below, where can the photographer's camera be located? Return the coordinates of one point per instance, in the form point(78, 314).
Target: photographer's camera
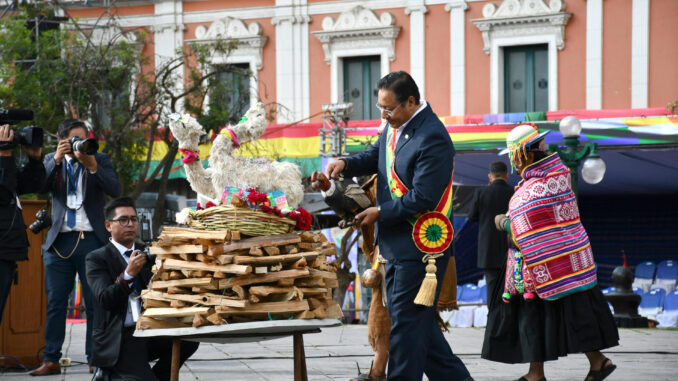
point(43, 221)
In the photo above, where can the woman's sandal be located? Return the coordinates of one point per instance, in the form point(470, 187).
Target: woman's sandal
point(599, 375)
point(367, 376)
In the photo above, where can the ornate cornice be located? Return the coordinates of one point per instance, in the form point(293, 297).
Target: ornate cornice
point(523, 17)
point(358, 27)
point(249, 38)
point(293, 19)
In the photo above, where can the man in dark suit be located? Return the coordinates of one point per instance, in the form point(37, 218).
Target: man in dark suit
point(413, 160)
point(13, 182)
point(492, 245)
point(78, 184)
point(117, 273)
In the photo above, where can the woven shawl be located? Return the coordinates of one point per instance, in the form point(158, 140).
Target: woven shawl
point(545, 226)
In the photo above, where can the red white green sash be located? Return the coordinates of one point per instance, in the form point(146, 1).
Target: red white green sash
point(432, 231)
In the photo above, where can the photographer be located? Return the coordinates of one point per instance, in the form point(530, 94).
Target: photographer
point(78, 179)
point(14, 182)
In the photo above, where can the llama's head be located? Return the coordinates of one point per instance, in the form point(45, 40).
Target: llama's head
point(254, 125)
point(186, 130)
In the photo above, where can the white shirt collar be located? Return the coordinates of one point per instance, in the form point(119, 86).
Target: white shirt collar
point(122, 249)
point(422, 106)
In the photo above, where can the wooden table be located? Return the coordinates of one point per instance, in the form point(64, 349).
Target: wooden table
point(245, 332)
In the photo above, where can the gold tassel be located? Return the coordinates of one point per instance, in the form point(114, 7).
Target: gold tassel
point(427, 291)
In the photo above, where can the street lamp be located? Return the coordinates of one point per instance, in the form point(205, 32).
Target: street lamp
point(594, 167)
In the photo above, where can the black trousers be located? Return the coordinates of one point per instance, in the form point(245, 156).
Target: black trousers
point(137, 352)
point(7, 271)
point(492, 277)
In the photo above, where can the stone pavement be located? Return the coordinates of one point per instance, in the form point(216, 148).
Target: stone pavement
point(644, 354)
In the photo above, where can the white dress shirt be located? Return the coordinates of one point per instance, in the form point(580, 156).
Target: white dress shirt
point(76, 202)
point(134, 307)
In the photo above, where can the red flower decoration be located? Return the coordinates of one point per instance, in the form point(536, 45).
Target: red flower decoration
point(198, 207)
point(256, 198)
point(302, 217)
point(209, 204)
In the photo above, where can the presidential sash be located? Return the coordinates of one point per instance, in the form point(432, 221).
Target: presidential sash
point(432, 230)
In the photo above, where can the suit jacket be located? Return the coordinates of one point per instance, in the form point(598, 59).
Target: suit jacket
point(14, 182)
point(424, 161)
point(110, 293)
point(95, 186)
point(488, 202)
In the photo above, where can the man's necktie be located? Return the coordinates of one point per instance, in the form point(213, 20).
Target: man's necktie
point(72, 189)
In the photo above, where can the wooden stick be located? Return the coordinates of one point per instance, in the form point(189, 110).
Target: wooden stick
point(263, 278)
point(184, 265)
point(265, 308)
point(271, 240)
point(208, 283)
point(208, 300)
point(243, 260)
point(177, 249)
point(176, 312)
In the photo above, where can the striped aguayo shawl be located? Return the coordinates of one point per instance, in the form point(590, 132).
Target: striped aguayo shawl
point(545, 226)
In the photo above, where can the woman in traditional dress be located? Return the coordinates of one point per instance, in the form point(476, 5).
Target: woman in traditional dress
point(552, 304)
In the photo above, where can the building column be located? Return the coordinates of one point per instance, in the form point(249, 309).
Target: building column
point(168, 31)
point(594, 54)
point(457, 56)
point(417, 11)
point(640, 47)
point(292, 62)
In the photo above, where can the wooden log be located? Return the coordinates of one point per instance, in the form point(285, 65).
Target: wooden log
point(208, 300)
point(271, 240)
point(311, 290)
point(265, 278)
point(199, 290)
point(310, 245)
point(289, 249)
point(178, 249)
point(235, 235)
point(199, 321)
point(319, 313)
point(242, 294)
point(314, 303)
point(300, 263)
point(309, 237)
point(272, 250)
point(334, 311)
point(286, 282)
point(268, 290)
point(305, 315)
point(176, 290)
point(254, 299)
point(216, 319)
point(313, 281)
point(219, 275)
point(183, 265)
point(266, 308)
point(328, 251)
point(256, 252)
point(174, 275)
point(193, 234)
point(204, 258)
point(276, 267)
point(261, 270)
point(145, 322)
point(178, 304)
point(186, 257)
point(176, 312)
point(323, 274)
point(208, 283)
point(224, 259)
point(151, 303)
point(243, 260)
point(331, 283)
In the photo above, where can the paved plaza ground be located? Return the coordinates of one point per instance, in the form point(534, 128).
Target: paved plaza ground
point(644, 354)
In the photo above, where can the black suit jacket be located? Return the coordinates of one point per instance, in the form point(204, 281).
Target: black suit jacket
point(110, 293)
point(424, 161)
point(96, 186)
point(488, 202)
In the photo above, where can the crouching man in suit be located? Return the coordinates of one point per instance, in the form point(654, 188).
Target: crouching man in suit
point(117, 273)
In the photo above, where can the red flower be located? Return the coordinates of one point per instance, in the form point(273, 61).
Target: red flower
point(209, 204)
point(302, 217)
point(198, 207)
point(256, 198)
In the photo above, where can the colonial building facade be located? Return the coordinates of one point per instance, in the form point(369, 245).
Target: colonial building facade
point(467, 56)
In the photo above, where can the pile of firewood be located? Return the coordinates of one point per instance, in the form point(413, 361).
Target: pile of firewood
point(213, 277)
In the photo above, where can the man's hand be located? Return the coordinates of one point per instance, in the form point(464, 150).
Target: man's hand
point(62, 149)
point(367, 216)
point(6, 135)
point(498, 221)
point(136, 263)
point(34, 153)
point(89, 161)
point(334, 168)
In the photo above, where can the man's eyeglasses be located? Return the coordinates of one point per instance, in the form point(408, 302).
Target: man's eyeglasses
point(388, 112)
point(124, 221)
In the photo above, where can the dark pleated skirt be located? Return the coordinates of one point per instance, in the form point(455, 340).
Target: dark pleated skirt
point(536, 331)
